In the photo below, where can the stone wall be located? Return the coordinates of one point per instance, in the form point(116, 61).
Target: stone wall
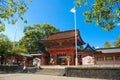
point(94, 72)
point(17, 69)
point(8, 69)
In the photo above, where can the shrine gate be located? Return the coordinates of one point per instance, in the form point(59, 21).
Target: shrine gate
point(61, 46)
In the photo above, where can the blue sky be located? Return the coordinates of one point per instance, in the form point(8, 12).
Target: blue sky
point(57, 13)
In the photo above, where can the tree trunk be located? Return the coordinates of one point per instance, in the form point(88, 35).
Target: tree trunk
point(2, 59)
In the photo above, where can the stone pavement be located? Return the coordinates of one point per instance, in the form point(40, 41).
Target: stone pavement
point(39, 77)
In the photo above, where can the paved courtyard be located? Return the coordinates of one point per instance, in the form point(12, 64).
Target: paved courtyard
point(38, 77)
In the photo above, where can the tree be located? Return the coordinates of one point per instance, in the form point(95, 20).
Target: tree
point(117, 43)
point(105, 13)
point(18, 49)
point(5, 47)
point(81, 47)
point(107, 45)
point(34, 33)
point(11, 10)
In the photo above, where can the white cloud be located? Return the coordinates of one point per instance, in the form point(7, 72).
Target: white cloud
point(118, 24)
point(97, 47)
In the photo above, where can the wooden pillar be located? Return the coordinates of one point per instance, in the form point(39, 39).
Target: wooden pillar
point(104, 59)
point(114, 61)
point(55, 58)
point(73, 57)
point(42, 60)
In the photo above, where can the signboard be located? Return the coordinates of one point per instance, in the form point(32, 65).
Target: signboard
point(88, 60)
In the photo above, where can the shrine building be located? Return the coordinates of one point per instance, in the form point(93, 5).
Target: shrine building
point(61, 46)
point(61, 50)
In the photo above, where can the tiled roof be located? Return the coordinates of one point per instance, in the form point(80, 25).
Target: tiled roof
point(62, 35)
point(109, 50)
point(88, 48)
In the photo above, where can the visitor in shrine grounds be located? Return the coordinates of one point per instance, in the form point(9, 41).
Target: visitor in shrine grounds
point(24, 66)
point(52, 61)
point(38, 64)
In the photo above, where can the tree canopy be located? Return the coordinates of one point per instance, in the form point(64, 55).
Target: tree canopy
point(117, 43)
point(34, 33)
point(105, 13)
point(18, 49)
point(11, 11)
point(107, 45)
point(5, 45)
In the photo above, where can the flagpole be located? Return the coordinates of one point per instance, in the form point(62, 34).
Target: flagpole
point(73, 10)
point(76, 58)
point(15, 35)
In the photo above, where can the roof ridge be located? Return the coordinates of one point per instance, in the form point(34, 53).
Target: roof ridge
point(64, 31)
point(109, 48)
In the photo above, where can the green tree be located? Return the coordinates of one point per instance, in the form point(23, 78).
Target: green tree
point(5, 47)
point(18, 49)
point(117, 43)
point(34, 33)
point(107, 45)
point(81, 47)
point(11, 11)
point(105, 13)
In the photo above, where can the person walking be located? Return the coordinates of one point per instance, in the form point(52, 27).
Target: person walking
point(24, 66)
point(38, 63)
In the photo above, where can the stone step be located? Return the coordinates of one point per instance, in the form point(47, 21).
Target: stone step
point(55, 72)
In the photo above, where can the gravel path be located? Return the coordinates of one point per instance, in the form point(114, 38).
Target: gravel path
point(38, 77)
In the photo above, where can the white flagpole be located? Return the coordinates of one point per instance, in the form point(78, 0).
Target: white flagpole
point(76, 58)
point(73, 10)
point(15, 34)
